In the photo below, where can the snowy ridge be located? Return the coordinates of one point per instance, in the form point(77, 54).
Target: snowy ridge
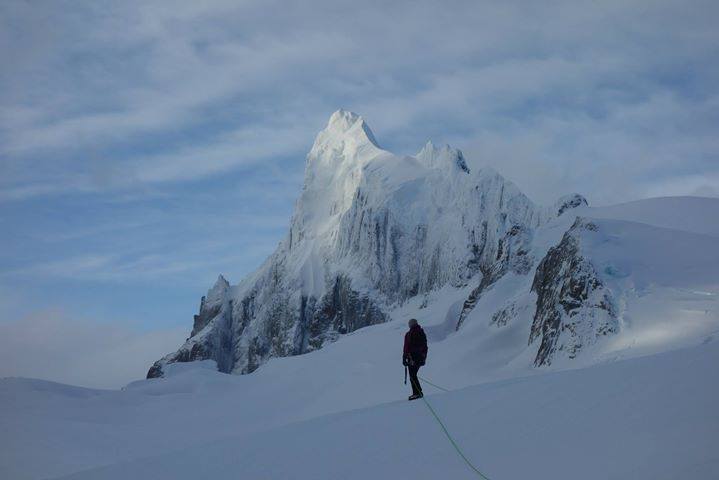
point(198, 423)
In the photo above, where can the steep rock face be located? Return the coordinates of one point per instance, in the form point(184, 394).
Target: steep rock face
point(508, 312)
point(412, 233)
point(369, 231)
point(574, 307)
point(513, 254)
point(211, 305)
point(342, 310)
point(215, 309)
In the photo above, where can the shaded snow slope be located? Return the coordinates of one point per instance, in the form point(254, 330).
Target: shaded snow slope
point(71, 429)
point(648, 418)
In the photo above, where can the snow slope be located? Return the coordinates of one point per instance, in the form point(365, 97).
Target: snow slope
point(690, 214)
point(648, 418)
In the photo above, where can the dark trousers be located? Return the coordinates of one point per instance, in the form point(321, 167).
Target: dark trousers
point(416, 387)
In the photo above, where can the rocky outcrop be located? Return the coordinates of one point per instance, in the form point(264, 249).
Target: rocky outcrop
point(512, 254)
point(211, 305)
point(242, 335)
point(511, 310)
point(569, 202)
point(215, 309)
point(574, 307)
point(341, 310)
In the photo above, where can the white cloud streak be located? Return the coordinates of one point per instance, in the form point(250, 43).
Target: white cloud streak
point(464, 71)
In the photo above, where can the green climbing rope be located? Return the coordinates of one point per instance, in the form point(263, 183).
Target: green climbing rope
point(434, 385)
point(451, 440)
point(446, 432)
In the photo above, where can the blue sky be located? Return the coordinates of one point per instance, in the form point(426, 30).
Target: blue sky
point(145, 148)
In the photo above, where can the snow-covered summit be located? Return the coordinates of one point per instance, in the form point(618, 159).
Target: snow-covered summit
point(442, 157)
point(333, 171)
point(218, 290)
point(345, 131)
point(343, 122)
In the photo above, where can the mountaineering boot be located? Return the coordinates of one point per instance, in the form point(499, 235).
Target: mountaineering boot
point(415, 396)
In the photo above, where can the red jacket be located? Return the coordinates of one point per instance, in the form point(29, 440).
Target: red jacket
point(415, 345)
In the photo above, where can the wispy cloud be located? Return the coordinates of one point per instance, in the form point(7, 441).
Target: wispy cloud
point(241, 148)
point(223, 89)
point(138, 266)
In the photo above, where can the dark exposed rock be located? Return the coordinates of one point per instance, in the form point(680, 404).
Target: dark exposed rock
point(342, 310)
point(155, 371)
point(197, 351)
point(569, 202)
point(574, 307)
point(503, 316)
point(287, 329)
point(203, 318)
point(512, 255)
point(215, 308)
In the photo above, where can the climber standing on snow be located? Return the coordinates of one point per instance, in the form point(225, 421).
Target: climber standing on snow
point(414, 355)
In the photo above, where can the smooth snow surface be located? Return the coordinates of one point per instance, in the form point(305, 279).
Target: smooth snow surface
point(648, 418)
point(691, 214)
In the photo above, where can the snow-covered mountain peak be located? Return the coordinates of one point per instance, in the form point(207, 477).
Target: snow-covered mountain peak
point(373, 232)
point(345, 129)
point(343, 120)
point(442, 157)
point(333, 172)
point(220, 287)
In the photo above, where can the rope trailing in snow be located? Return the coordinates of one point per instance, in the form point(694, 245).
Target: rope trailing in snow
point(435, 386)
point(446, 432)
point(451, 440)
